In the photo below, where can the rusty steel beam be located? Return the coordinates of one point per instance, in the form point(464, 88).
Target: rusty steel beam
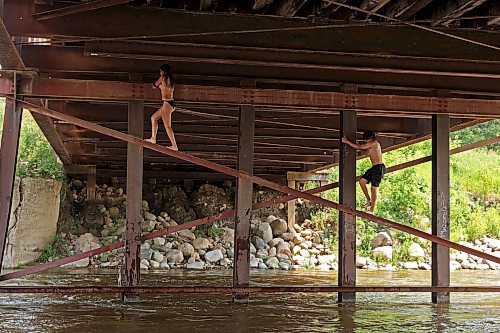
point(241, 271)
point(260, 181)
point(227, 290)
point(8, 161)
point(440, 204)
point(118, 91)
point(407, 143)
point(257, 180)
point(76, 9)
point(205, 220)
point(134, 200)
point(347, 196)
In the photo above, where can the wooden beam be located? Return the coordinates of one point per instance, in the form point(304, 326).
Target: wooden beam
point(495, 12)
point(291, 206)
point(440, 204)
point(91, 183)
point(405, 9)
point(373, 5)
point(259, 4)
point(307, 176)
point(77, 9)
point(289, 8)
point(451, 10)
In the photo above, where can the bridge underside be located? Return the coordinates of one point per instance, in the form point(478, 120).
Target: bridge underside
point(266, 88)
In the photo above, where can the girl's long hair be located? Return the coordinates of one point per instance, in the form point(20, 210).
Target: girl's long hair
point(168, 72)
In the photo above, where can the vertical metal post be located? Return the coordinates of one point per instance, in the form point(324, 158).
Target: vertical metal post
point(91, 183)
point(241, 271)
point(347, 196)
point(291, 206)
point(8, 161)
point(134, 200)
point(440, 204)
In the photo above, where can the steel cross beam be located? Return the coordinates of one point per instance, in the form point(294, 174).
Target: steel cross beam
point(257, 180)
point(217, 289)
point(225, 215)
point(120, 91)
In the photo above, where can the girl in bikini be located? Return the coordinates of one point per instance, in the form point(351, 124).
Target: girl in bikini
point(166, 84)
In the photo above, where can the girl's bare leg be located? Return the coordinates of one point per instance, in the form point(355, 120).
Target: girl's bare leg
point(154, 125)
point(167, 121)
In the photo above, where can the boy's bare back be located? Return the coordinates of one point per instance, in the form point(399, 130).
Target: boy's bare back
point(374, 151)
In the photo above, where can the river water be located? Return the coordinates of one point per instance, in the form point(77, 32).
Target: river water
point(300, 312)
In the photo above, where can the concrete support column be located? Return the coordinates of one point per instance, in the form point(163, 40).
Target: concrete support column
point(440, 204)
point(241, 271)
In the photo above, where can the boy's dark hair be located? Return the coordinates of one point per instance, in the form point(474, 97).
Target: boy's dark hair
point(165, 68)
point(369, 135)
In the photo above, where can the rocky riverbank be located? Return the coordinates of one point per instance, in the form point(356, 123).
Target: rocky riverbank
point(274, 245)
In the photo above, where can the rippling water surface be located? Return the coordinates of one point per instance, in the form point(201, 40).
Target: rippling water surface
point(300, 312)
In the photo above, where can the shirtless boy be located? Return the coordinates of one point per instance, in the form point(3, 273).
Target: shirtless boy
point(373, 175)
point(166, 84)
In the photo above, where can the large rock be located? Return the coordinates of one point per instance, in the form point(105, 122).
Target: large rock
point(201, 243)
point(33, 220)
point(196, 265)
point(265, 232)
point(214, 256)
point(84, 243)
point(384, 252)
point(186, 249)
point(258, 242)
point(188, 234)
point(227, 235)
point(416, 251)
point(174, 256)
point(279, 226)
point(273, 263)
point(284, 248)
point(381, 239)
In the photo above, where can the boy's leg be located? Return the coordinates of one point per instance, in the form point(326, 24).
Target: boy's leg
point(154, 125)
point(362, 183)
point(166, 115)
point(374, 191)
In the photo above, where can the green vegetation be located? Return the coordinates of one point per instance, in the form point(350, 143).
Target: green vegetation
point(36, 157)
point(406, 194)
point(60, 248)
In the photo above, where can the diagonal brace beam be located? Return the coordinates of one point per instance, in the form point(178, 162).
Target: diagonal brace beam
point(225, 215)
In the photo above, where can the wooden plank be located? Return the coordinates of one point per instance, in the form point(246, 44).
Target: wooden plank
point(289, 8)
point(451, 10)
point(77, 9)
point(405, 9)
point(307, 176)
point(291, 206)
